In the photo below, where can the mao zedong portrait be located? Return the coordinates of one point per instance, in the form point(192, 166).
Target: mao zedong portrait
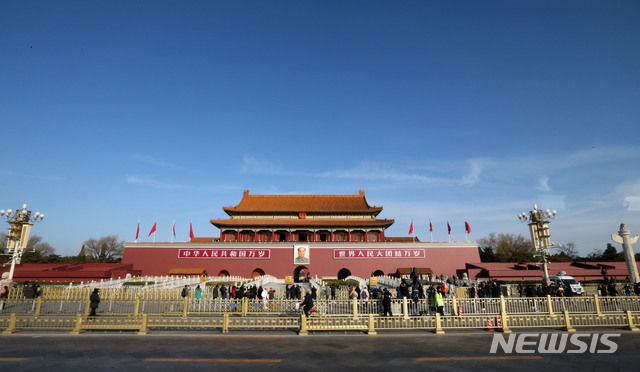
point(301, 256)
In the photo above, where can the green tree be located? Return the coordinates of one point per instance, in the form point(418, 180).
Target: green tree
point(107, 249)
point(508, 247)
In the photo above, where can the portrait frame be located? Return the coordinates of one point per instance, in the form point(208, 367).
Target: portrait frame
point(299, 259)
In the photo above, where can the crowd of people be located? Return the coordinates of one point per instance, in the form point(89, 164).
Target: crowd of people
point(232, 292)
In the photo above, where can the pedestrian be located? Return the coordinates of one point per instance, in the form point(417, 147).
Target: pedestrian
point(95, 300)
point(473, 291)
point(307, 304)
point(198, 293)
point(25, 290)
point(386, 303)
point(3, 296)
point(439, 303)
point(223, 291)
point(5, 293)
point(364, 294)
point(185, 291)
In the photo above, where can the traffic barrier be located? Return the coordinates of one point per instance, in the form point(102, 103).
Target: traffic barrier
point(489, 325)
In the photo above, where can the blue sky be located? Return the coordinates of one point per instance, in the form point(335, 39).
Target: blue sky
point(114, 112)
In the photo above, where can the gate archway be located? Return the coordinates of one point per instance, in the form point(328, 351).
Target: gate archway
point(343, 274)
point(257, 272)
point(300, 274)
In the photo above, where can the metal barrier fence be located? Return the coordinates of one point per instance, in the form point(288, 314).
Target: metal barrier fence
point(357, 315)
point(144, 323)
point(452, 306)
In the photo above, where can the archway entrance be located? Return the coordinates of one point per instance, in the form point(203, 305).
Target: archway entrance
point(257, 272)
point(378, 273)
point(223, 273)
point(343, 274)
point(300, 274)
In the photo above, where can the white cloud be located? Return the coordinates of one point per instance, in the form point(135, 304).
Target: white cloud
point(251, 164)
point(151, 160)
point(35, 176)
point(473, 176)
point(375, 171)
point(154, 183)
point(543, 184)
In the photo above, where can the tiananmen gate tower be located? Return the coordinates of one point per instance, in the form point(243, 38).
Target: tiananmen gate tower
point(300, 235)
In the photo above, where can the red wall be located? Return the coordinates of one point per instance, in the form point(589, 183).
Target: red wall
point(159, 258)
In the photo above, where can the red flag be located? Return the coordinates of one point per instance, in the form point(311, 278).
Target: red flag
point(138, 230)
point(448, 227)
point(190, 230)
point(153, 229)
point(411, 228)
point(467, 228)
point(174, 229)
point(430, 226)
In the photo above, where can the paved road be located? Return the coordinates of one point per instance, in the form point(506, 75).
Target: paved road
point(286, 352)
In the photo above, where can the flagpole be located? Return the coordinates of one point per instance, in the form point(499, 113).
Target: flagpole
point(154, 232)
point(137, 231)
point(430, 230)
point(173, 229)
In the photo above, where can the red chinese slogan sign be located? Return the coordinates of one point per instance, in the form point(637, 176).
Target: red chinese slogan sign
point(257, 254)
point(378, 253)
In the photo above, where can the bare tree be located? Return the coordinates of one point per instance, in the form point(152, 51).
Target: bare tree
point(570, 250)
point(36, 244)
point(36, 251)
point(105, 249)
point(508, 247)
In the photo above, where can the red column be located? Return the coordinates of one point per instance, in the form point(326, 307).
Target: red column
point(314, 236)
point(348, 235)
point(382, 238)
point(273, 235)
point(331, 235)
point(255, 235)
point(290, 236)
point(366, 235)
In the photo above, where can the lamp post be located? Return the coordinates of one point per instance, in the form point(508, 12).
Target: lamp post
point(538, 221)
point(20, 223)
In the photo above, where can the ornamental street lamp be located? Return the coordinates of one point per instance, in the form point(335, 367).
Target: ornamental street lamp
point(20, 223)
point(538, 221)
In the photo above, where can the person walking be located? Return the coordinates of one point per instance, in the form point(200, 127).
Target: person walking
point(198, 293)
point(265, 297)
point(95, 300)
point(307, 304)
point(185, 291)
point(386, 303)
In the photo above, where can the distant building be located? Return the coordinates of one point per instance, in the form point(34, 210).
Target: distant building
point(341, 236)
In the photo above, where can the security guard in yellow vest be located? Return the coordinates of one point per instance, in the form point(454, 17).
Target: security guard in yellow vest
point(439, 302)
